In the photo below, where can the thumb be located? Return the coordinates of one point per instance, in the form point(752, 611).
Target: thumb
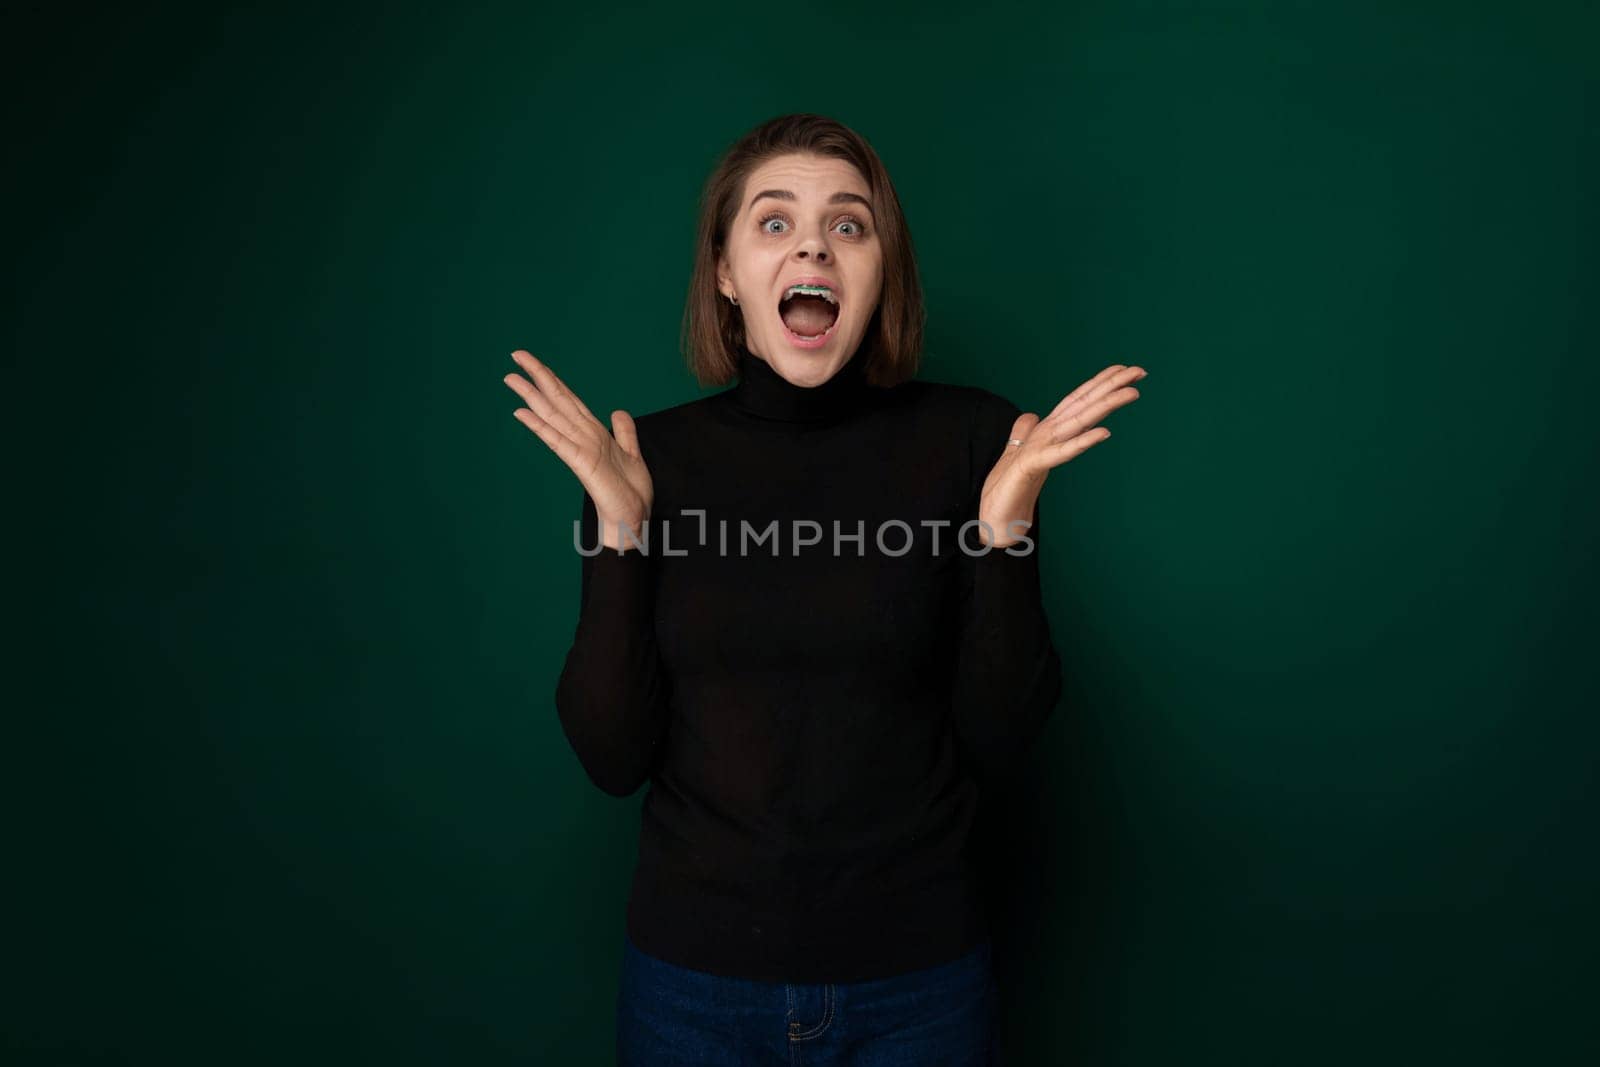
point(626, 433)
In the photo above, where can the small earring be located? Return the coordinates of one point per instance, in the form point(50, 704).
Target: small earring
point(735, 300)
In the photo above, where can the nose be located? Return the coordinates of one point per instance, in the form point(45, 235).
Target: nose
point(812, 248)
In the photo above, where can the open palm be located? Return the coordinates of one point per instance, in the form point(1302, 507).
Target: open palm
point(1012, 487)
point(607, 463)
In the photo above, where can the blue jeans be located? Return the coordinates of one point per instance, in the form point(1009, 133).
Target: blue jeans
point(670, 1016)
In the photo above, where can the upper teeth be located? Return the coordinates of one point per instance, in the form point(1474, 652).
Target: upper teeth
point(811, 290)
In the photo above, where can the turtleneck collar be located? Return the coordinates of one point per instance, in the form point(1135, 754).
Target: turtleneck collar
point(763, 392)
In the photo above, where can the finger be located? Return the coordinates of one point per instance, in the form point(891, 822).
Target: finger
point(1056, 454)
point(540, 405)
point(1022, 427)
point(627, 435)
point(1112, 377)
point(564, 402)
point(1083, 390)
point(1068, 426)
point(565, 396)
point(563, 446)
point(584, 408)
point(543, 399)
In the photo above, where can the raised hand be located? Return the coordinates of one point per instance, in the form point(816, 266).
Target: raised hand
point(611, 468)
point(1012, 488)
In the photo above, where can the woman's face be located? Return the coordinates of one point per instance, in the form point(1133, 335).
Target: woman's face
point(804, 218)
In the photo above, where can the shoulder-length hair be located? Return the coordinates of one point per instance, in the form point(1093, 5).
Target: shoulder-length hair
point(713, 329)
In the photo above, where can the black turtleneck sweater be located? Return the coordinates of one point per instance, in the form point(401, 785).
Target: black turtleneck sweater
point(814, 724)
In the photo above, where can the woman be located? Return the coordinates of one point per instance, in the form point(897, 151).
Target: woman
point(811, 619)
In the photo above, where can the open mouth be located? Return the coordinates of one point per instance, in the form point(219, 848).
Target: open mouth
point(809, 313)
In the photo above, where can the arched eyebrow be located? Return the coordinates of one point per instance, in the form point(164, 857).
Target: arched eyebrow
point(836, 198)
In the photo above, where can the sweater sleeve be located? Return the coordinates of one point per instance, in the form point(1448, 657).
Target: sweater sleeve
point(612, 695)
point(1008, 673)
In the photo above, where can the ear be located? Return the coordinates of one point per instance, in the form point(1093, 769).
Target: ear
point(724, 283)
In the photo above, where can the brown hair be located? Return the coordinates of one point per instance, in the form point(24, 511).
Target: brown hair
point(713, 329)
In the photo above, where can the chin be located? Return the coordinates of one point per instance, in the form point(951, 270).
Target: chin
point(807, 368)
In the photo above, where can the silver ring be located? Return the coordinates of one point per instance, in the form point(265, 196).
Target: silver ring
point(1014, 441)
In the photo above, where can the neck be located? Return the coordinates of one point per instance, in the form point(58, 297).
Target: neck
point(763, 392)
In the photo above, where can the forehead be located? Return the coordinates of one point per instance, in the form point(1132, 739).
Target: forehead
point(807, 176)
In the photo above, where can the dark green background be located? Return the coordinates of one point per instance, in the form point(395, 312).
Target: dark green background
point(292, 588)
